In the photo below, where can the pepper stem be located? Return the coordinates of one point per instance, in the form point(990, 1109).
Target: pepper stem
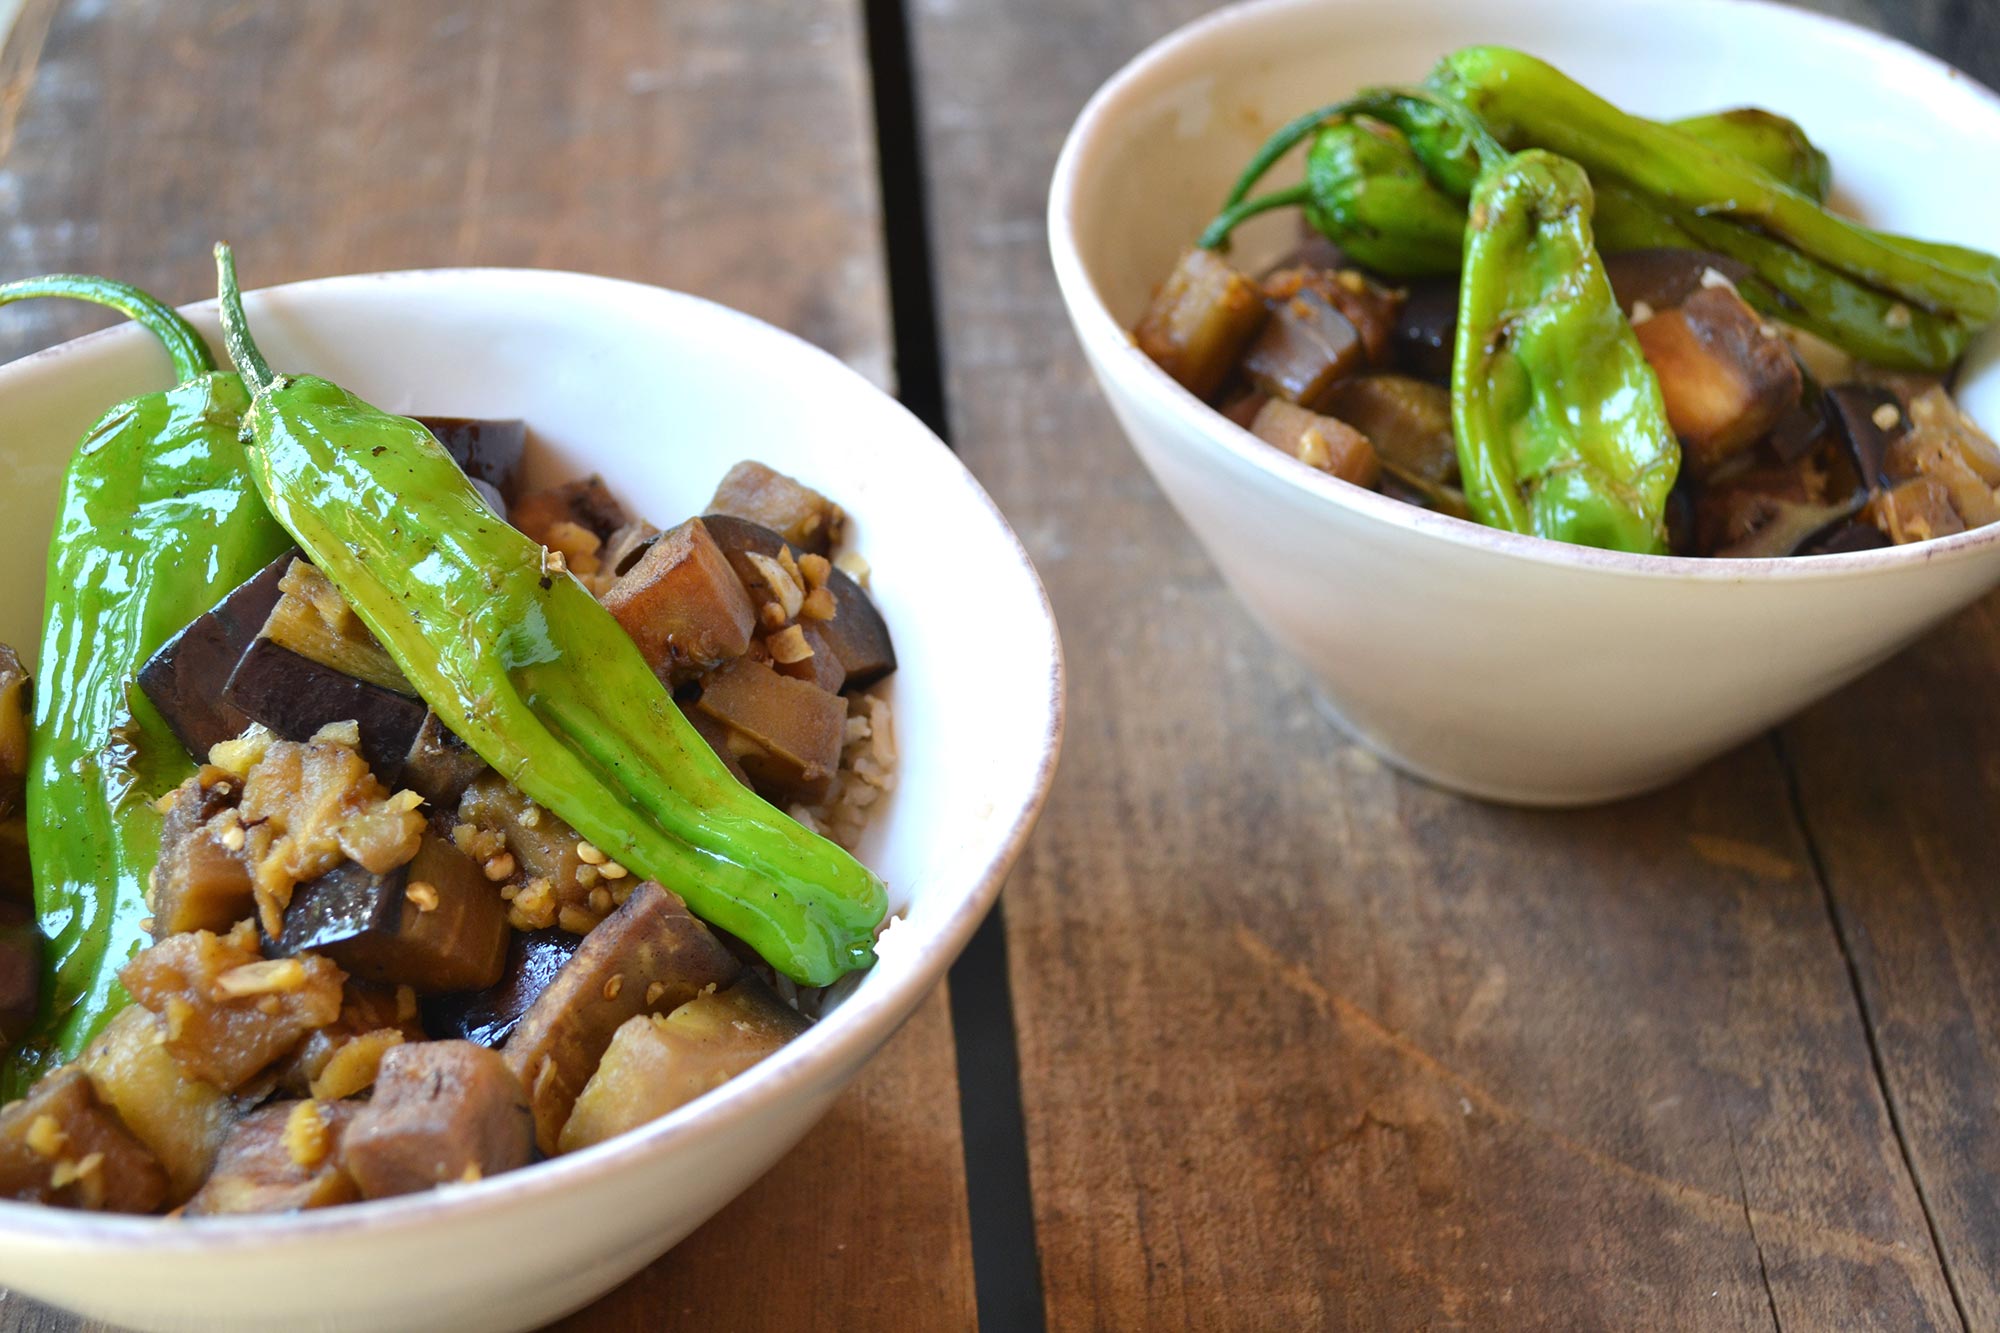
point(1216, 234)
point(250, 362)
point(184, 345)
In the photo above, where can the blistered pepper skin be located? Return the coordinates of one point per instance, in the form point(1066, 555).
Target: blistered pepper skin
point(157, 521)
point(520, 661)
point(1525, 101)
point(1562, 432)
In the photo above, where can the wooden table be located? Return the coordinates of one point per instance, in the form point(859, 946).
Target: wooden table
point(1293, 1041)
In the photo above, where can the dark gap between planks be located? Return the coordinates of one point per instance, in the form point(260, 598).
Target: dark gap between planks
point(1796, 797)
point(1006, 1268)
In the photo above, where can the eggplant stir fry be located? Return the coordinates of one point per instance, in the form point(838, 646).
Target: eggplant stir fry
point(1515, 303)
point(373, 823)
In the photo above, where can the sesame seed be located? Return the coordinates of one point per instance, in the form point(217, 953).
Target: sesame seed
point(655, 991)
point(589, 855)
point(1886, 417)
point(613, 986)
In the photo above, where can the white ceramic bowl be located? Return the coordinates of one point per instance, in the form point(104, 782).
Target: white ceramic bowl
point(662, 393)
point(1505, 666)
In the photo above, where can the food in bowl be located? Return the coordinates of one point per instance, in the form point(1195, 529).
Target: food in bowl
point(486, 861)
point(1520, 305)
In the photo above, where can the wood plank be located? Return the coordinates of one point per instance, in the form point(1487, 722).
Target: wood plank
point(1899, 782)
point(1898, 789)
point(721, 148)
point(1352, 1052)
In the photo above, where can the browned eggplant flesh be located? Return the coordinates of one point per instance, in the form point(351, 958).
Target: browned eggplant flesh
point(378, 967)
point(1789, 446)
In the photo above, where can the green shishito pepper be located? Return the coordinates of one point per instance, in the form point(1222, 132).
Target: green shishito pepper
point(1394, 201)
point(522, 663)
point(1561, 428)
point(1906, 303)
point(158, 520)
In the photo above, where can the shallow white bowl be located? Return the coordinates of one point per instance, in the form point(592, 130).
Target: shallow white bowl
point(1505, 666)
point(662, 393)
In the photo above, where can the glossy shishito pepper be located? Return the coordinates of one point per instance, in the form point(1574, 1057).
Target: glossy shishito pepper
point(1395, 201)
point(1561, 428)
point(1525, 101)
point(522, 663)
point(157, 521)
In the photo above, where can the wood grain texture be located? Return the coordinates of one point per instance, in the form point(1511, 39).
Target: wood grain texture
point(1352, 1053)
point(1899, 778)
point(721, 148)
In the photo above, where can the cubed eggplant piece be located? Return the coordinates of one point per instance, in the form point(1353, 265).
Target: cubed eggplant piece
point(1306, 347)
point(1422, 343)
point(185, 679)
point(819, 664)
point(317, 1067)
point(718, 738)
point(181, 1119)
point(1946, 446)
point(1321, 442)
point(1870, 420)
point(200, 883)
point(795, 729)
point(1915, 510)
point(443, 1113)
point(543, 845)
point(228, 1014)
point(1372, 309)
point(1200, 321)
point(1727, 376)
point(488, 1017)
point(1853, 535)
point(1660, 279)
point(659, 1063)
point(683, 605)
point(856, 633)
point(60, 1145)
point(1772, 511)
point(436, 924)
point(17, 880)
point(15, 699)
point(485, 450)
point(440, 766)
point(282, 1158)
point(589, 504)
point(796, 512)
point(649, 957)
point(1408, 421)
point(1242, 408)
point(20, 970)
point(295, 696)
point(623, 548)
point(313, 619)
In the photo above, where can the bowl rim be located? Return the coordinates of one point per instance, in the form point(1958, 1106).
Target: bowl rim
point(1111, 346)
point(862, 1022)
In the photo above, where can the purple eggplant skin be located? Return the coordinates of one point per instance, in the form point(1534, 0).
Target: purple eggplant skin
point(295, 696)
point(20, 970)
point(1663, 278)
point(1427, 324)
point(1852, 407)
point(1853, 535)
point(488, 1017)
point(857, 634)
point(183, 679)
point(485, 450)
